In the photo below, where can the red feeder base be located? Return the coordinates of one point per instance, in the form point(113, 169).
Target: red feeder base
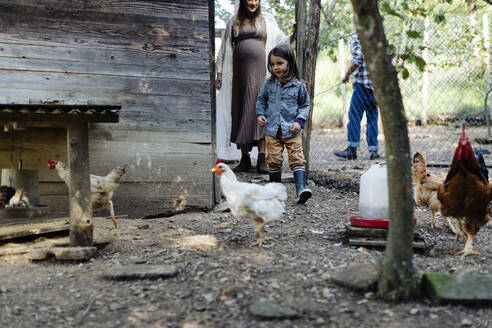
point(372, 223)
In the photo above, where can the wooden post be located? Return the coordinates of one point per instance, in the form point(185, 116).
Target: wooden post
point(213, 111)
point(343, 88)
point(311, 56)
point(80, 207)
point(425, 74)
point(486, 44)
point(301, 37)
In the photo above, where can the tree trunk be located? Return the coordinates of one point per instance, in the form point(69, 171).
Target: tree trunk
point(398, 280)
point(311, 53)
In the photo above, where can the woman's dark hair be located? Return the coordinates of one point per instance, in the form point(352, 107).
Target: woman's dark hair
point(243, 12)
point(284, 51)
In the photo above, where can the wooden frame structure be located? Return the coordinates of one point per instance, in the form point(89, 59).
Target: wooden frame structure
point(75, 118)
point(153, 57)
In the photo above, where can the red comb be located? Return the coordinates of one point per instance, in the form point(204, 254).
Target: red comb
point(52, 164)
point(463, 134)
point(219, 161)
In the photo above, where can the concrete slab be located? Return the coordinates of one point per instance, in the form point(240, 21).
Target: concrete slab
point(447, 288)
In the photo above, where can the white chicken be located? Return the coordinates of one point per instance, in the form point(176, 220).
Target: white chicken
point(260, 204)
point(102, 188)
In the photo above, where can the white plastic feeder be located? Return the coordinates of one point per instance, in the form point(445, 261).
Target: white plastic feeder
point(373, 193)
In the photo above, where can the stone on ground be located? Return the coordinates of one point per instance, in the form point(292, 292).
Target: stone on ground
point(269, 310)
point(357, 276)
point(63, 253)
point(141, 271)
point(463, 288)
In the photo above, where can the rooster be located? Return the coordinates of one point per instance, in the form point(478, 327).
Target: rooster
point(6, 193)
point(260, 204)
point(426, 187)
point(465, 194)
point(102, 188)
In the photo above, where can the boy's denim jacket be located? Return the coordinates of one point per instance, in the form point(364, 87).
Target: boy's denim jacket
point(283, 105)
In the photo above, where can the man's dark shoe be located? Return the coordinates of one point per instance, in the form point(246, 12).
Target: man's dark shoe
point(373, 155)
point(348, 153)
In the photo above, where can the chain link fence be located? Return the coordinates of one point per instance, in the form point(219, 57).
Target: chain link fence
point(451, 91)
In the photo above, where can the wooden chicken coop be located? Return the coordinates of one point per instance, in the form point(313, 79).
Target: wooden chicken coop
point(152, 59)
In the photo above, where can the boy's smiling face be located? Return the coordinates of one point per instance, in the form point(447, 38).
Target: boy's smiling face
point(280, 67)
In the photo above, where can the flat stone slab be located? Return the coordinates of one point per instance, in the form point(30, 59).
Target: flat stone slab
point(269, 310)
point(307, 306)
point(63, 253)
point(449, 288)
point(141, 271)
point(357, 276)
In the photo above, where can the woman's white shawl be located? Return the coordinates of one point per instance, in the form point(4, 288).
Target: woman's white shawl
point(226, 150)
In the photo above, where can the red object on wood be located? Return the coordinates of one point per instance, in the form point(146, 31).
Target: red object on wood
point(372, 223)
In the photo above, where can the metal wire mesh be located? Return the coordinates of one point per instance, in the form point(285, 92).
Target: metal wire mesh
point(450, 92)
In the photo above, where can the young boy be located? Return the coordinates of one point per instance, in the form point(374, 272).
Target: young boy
point(282, 108)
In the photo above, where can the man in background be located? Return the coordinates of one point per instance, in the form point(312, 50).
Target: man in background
point(362, 101)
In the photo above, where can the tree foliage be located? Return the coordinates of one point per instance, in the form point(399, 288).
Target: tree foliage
point(403, 21)
point(221, 13)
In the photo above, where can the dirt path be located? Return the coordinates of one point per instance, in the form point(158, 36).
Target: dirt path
point(220, 276)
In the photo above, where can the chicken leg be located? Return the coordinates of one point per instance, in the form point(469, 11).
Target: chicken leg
point(450, 225)
point(109, 206)
point(468, 250)
point(459, 230)
point(433, 221)
point(259, 232)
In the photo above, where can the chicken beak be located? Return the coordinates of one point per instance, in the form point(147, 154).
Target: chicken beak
point(214, 169)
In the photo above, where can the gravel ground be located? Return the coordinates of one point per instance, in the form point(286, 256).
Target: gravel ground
point(220, 276)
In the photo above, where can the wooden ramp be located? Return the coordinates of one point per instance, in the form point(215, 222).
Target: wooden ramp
point(359, 236)
point(32, 227)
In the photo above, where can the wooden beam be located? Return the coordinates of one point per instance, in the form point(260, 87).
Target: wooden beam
point(80, 208)
point(211, 17)
point(301, 36)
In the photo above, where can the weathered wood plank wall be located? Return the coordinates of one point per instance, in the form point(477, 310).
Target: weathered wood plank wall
point(152, 57)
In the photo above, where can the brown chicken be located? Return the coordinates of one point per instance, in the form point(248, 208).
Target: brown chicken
point(6, 193)
point(426, 186)
point(465, 194)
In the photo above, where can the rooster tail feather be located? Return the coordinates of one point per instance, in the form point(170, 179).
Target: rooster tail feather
point(482, 165)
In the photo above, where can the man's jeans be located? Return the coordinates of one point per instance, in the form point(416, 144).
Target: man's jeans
point(363, 100)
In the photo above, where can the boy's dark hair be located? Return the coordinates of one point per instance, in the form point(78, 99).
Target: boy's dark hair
point(284, 51)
